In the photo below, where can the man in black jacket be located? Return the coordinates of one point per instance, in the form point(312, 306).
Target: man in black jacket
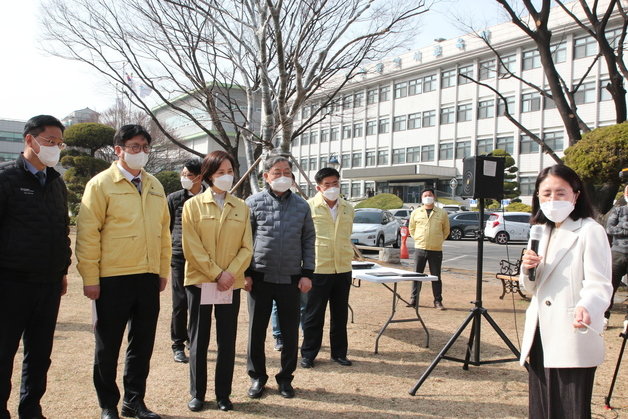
point(34, 258)
point(192, 185)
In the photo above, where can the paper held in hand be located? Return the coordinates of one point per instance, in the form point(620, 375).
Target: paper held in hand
point(211, 295)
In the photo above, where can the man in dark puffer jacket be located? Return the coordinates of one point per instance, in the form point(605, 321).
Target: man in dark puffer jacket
point(34, 258)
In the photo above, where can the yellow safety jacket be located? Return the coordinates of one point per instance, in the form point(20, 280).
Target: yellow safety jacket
point(429, 233)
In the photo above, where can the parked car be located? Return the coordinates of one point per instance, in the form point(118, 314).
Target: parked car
point(402, 214)
point(503, 227)
point(450, 208)
point(375, 227)
point(464, 224)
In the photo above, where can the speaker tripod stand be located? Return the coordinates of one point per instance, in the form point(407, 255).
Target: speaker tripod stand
point(475, 319)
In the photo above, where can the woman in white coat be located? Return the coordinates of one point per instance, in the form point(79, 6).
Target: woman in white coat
point(572, 288)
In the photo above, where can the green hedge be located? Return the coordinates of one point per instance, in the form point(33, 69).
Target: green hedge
point(384, 201)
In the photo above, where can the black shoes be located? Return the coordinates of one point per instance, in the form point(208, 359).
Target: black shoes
point(438, 305)
point(195, 405)
point(257, 389)
point(179, 356)
point(109, 414)
point(342, 361)
point(138, 410)
point(412, 303)
point(225, 404)
point(278, 343)
point(307, 363)
point(286, 390)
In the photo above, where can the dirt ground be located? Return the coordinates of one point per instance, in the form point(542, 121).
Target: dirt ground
point(376, 386)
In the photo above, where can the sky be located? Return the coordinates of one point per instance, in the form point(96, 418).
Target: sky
point(33, 82)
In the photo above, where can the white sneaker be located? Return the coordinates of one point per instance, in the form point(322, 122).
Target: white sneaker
point(605, 323)
point(625, 326)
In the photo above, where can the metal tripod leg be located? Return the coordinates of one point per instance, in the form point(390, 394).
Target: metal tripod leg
point(607, 399)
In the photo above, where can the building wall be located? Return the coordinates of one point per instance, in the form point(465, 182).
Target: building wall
point(11, 140)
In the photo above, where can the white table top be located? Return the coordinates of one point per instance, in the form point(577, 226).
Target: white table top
point(376, 272)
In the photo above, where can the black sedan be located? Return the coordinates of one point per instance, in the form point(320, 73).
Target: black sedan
point(464, 224)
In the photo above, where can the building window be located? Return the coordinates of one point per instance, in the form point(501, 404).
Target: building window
point(370, 158)
point(613, 37)
point(346, 131)
point(384, 93)
point(487, 69)
point(313, 137)
point(559, 52)
point(446, 115)
point(427, 153)
point(506, 143)
point(334, 133)
point(527, 145)
point(584, 47)
point(399, 123)
point(465, 112)
point(371, 127)
point(399, 156)
point(305, 138)
point(501, 107)
point(526, 185)
point(356, 189)
point(358, 129)
point(530, 102)
point(382, 157)
point(531, 59)
point(414, 120)
point(447, 79)
point(415, 87)
point(413, 154)
point(347, 102)
point(371, 96)
point(429, 118)
point(356, 159)
point(313, 163)
point(384, 126)
point(324, 136)
point(484, 146)
point(553, 140)
point(463, 149)
point(467, 70)
point(548, 103)
point(345, 160)
point(446, 151)
point(304, 164)
point(486, 109)
point(507, 65)
point(429, 83)
point(401, 89)
point(604, 93)
point(344, 189)
point(305, 112)
point(358, 99)
point(324, 161)
point(585, 94)
point(295, 141)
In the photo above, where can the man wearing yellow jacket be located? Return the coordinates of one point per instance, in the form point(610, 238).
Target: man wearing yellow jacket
point(333, 222)
point(429, 227)
point(123, 249)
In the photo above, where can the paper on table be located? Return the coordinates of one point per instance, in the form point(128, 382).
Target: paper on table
point(94, 315)
point(211, 295)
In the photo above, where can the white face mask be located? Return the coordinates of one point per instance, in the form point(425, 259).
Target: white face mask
point(427, 200)
point(281, 184)
point(331, 193)
point(186, 183)
point(49, 156)
point(136, 161)
point(557, 211)
point(223, 182)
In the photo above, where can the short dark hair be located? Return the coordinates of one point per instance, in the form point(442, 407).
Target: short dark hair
point(583, 208)
point(193, 165)
point(325, 172)
point(212, 162)
point(126, 132)
point(273, 160)
point(428, 190)
point(37, 124)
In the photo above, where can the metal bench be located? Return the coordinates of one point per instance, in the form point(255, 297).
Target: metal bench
point(509, 276)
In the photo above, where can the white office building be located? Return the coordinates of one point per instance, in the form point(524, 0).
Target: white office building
point(11, 140)
point(408, 123)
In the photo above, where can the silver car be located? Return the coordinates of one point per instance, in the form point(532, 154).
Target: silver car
point(375, 227)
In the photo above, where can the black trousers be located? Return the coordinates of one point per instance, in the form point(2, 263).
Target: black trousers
point(132, 300)
point(260, 306)
point(226, 316)
point(557, 393)
point(28, 311)
point(435, 260)
point(179, 322)
point(620, 268)
point(335, 289)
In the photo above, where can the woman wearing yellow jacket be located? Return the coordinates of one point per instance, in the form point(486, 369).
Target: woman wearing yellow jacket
point(217, 245)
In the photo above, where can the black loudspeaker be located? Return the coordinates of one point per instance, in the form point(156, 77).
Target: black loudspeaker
point(483, 177)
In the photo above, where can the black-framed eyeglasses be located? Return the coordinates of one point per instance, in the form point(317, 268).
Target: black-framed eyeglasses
point(136, 148)
point(47, 142)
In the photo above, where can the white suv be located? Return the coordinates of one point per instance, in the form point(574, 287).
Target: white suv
point(501, 227)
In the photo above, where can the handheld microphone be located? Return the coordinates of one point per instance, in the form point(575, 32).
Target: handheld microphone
point(536, 232)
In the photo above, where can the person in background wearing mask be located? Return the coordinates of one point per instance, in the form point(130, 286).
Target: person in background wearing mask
point(617, 227)
point(333, 221)
point(218, 247)
point(570, 291)
point(282, 265)
point(429, 227)
point(192, 185)
point(34, 258)
point(123, 249)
